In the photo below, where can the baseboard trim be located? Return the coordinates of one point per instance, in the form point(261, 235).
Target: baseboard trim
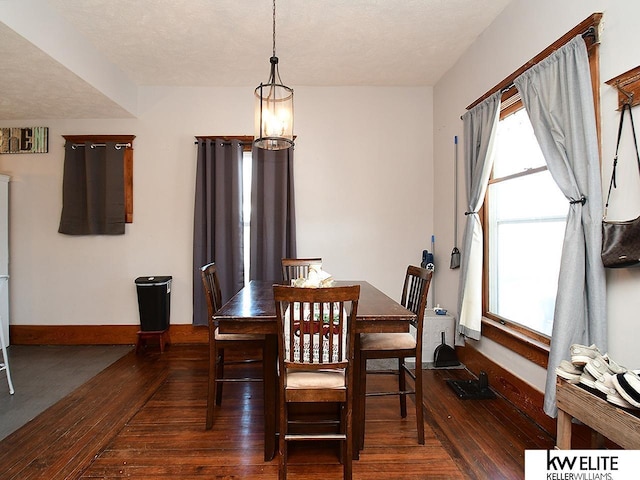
point(98, 334)
point(521, 394)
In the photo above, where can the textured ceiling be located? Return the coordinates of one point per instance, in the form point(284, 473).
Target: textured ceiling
point(86, 58)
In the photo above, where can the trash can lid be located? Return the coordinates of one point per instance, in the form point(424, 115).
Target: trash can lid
point(153, 280)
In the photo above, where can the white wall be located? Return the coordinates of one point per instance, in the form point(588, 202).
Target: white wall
point(363, 190)
point(523, 30)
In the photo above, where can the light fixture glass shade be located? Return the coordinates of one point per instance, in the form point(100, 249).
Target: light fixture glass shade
point(273, 115)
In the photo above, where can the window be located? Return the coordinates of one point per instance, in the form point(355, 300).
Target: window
point(536, 220)
point(525, 215)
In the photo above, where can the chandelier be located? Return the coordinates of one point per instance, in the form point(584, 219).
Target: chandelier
point(274, 107)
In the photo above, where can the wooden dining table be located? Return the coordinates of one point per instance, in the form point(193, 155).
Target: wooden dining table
point(252, 310)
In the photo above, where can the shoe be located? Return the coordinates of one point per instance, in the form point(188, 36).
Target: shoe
point(628, 386)
point(614, 398)
point(581, 354)
point(605, 385)
point(569, 372)
point(587, 380)
point(602, 364)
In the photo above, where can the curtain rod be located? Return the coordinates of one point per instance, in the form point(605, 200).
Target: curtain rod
point(590, 32)
point(94, 145)
point(228, 142)
point(586, 28)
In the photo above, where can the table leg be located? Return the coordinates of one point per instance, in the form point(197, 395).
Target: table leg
point(563, 441)
point(270, 375)
point(357, 414)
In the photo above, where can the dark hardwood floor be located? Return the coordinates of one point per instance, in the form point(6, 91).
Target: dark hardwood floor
point(143, 417)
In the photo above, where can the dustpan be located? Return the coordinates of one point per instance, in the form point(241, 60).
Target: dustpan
point(444, 355)
point(455, 258)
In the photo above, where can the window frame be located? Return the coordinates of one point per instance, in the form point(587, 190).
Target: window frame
point(521, 340)
point(509, 108)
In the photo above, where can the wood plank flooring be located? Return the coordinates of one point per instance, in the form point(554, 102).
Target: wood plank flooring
point(143, 418)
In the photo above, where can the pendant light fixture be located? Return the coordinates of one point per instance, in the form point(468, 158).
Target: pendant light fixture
point(274, 107)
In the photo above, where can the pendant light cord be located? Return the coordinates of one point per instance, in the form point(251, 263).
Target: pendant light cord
point(274, 28)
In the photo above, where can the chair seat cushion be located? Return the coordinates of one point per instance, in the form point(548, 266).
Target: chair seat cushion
point(387, 341)
point(334, 378)
point(237, 336)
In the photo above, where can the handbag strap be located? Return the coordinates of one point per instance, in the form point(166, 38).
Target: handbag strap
point(612, 183)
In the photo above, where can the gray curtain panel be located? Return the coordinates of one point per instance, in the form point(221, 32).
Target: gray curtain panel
point(558, 97)
point(218, 220)
point(480, 125)
point(93, 190)
point(273, 225)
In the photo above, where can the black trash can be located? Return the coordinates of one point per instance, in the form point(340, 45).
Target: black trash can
point(154, 302)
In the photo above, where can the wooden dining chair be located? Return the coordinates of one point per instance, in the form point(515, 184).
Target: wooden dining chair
point(293, 268)
point(400, 346)
point(221, 342)
point(316, 341)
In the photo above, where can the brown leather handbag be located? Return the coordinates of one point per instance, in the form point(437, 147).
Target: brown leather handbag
point(621, 239)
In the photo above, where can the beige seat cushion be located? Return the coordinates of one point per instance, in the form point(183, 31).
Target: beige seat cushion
point(387, 341)
point(237, 336)
point(316, 379)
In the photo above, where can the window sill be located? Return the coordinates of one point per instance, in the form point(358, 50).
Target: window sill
point(533, 350)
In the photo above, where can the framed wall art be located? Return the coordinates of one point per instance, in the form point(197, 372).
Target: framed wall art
point(24, 139)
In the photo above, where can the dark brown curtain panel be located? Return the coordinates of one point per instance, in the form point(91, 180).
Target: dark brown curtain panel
point(273, 225)
point(93, 190)
point(218, 220)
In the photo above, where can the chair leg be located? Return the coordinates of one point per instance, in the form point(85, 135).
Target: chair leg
point(282, 443)
point(419, 407)
point(342, 413)
point(361, 401)
point(348, 443)
point(402, 386)
point(219, 375)
point(211, 389)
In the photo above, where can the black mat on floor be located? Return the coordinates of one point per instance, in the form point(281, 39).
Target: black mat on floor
point(470, 389)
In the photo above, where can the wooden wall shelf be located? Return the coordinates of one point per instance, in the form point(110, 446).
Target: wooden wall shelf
point(628, 86)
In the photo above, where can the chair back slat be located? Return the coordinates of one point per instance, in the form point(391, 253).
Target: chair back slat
point(315, 325)
point(294, 268)
point(414, 293)
point(211, 284)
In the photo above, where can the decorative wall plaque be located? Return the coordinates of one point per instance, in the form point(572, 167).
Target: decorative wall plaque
point(24, 140)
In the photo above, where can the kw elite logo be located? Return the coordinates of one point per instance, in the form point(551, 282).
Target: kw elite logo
point(581, 464)
point(562, 465)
